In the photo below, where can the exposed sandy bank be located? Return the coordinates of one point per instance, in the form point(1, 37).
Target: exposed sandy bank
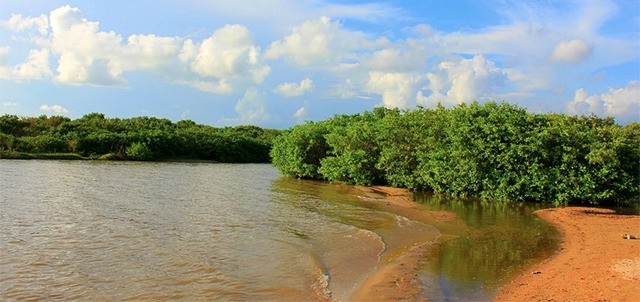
point(396, 279)
point(594, 263)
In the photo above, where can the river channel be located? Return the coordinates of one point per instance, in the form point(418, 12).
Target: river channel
point(104, 231)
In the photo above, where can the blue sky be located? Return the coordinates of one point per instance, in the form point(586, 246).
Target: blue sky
point(277, 63)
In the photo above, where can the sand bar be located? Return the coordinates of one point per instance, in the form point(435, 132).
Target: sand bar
point(397, 279)
point(594, 263)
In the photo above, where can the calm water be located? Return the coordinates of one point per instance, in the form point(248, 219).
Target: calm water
point(178, 231)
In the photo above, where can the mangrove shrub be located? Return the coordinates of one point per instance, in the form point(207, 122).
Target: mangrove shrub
point(492, 150)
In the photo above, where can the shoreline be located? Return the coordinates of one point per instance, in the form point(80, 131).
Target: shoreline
point(594, 262)
point(396, 278)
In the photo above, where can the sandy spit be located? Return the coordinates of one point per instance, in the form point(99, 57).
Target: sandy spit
point(596, 261)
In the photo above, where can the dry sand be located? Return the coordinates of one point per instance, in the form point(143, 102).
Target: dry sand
point(594, 263)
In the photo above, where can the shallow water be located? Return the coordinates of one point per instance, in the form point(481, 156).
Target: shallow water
point(84, 230)
point(501, 241)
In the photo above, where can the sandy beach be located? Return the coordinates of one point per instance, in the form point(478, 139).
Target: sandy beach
point(594, 263)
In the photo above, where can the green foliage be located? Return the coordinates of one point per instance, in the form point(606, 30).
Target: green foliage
point(354, 150)
point(494, 151)
point(298, 152)
point(140, 138)
point(139, 151)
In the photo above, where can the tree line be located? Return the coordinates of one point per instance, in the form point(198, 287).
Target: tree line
point(138, 138)
point(493, 150)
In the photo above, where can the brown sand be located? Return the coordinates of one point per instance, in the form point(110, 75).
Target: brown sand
point(594, 263)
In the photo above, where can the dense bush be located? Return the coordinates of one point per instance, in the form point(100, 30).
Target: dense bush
point(497, 151)
point(139, 151)
point(139, 138)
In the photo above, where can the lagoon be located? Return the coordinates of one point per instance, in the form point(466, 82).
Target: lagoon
point(91, 230)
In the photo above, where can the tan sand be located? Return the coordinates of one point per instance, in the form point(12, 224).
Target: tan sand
point(594, 263)
point(397, 278)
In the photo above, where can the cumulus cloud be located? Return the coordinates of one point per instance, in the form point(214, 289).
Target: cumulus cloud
point(228, 58)
point(290, 89)
point(36, 66)
point(251, 108)
point(571, 51)
point(102, 57)
point(54, 109)
point(230, 52)
point(623, 103)
point(320, 42)
point(397, 89)
point(87, 55)
point(19, 23)
point(466, 80)
point(147, 52)
point(88, 62)
point(523, 57)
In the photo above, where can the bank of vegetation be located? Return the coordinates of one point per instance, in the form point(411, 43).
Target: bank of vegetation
point(495, 150)
point(95, 136)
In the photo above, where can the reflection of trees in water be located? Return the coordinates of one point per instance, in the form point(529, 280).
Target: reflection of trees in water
point(505, 237)
point(338, 203)
point(501, 240)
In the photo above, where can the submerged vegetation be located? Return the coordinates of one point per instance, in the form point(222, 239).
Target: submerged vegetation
point(497, 151)
point(141, 138)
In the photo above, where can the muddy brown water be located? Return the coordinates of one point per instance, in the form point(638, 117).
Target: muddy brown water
point(103, 231)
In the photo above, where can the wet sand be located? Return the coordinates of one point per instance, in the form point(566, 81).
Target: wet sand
point(594, 263)
point(396, 279)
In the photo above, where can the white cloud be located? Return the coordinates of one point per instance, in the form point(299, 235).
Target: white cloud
point(19, 23)
point(290, 89)
point(147, 52)
point(229, 52)
point(228, 58)
point(466, 80)
point(397, 89)
point(220, 63)
point(36, 67)
point(320, 43)
point(251, 108)
point(88, 62)
point(571, 51)
point(301, 114)
point(54, 109)
point(623, 103)
point(538, 33)
point(585, 104)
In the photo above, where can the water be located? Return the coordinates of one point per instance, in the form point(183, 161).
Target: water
point(85, 230)
point(502, 239)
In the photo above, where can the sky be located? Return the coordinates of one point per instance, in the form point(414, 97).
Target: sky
point(278, 63)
